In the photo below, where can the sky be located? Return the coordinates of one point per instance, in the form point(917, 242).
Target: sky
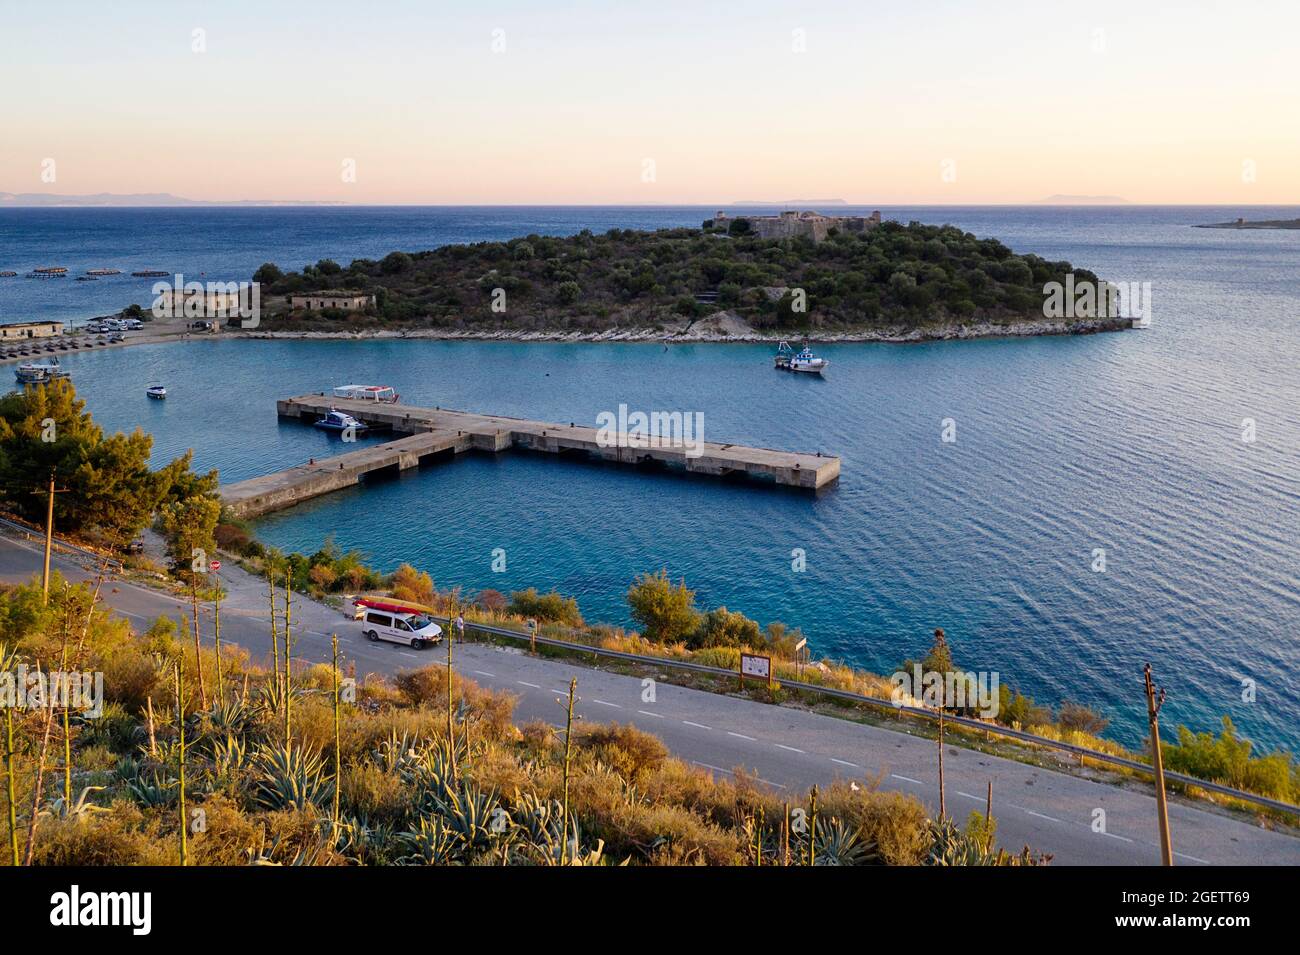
point(483, 102)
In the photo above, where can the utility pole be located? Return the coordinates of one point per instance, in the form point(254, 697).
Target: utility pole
point(1154, 702)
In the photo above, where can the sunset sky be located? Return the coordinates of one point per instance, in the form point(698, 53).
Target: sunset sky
point(663, 102)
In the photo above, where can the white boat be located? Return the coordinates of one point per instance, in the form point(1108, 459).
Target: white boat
point(805, 361)
point(38, 373)
point(339, 421)
point(156, 391)
point(377, 393)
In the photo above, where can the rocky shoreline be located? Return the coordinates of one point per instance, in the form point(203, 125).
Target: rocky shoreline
point(710, 330)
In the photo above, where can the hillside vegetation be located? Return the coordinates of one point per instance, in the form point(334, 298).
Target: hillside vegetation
point(302, 767)
point(894, 277)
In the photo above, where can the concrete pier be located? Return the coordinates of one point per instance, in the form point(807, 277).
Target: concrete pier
point(429, 433)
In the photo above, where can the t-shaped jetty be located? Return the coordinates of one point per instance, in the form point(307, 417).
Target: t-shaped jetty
point(429, 434)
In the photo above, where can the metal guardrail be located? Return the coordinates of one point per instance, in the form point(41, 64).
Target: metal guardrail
point(59, 544)
point(886, 705)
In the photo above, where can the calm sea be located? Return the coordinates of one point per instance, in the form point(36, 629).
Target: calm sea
point(1132, 443)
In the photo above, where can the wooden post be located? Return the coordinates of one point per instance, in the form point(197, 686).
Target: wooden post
point(1162, 808)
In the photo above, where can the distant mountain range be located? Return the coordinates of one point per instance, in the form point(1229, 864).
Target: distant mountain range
point(806, 203)
point(138, 199)
point(1067, 200)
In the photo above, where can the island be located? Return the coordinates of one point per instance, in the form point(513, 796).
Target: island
point(736, 278)
point(1257, 224)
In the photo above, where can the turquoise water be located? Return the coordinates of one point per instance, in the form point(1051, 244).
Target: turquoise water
point(1129, 442)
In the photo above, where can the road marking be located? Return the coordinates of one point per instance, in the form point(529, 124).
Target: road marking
point(1193, 858)
point(710, 766)
point(719, 769)
point(657, 716)
point(1042, 816)
point(698, 726)
point(742, 736)
point(1114, 836)
point(403, 653)
point(969, 796)
point(790, 748)
point(845, 762)
point(485, 673)
point(906, 779)
point(523, 683)
point(603, 703)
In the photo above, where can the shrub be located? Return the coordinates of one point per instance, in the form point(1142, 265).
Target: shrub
point(1082, 719)
point(665, 612)
point(725, 628)
point(414, 585)
point(549, 608)
point(626, 749)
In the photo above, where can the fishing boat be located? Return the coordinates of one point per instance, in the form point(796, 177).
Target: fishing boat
point(156, 391)
point(339, 421)
point(381, 394)
point(7, 275)
point(804, 361)
point(39, 373)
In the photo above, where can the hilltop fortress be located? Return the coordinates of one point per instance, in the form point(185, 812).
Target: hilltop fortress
point(792, 224)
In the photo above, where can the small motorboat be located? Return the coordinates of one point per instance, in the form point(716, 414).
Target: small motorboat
point(156, 391)
point(805, 361)
point(339, 421)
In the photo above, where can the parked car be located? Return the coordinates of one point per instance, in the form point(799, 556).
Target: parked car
point(136, 546)
point(412, 629)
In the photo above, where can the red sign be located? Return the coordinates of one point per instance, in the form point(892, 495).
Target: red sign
point(214, 564)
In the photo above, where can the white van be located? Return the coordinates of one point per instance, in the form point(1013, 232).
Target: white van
point(412, 629)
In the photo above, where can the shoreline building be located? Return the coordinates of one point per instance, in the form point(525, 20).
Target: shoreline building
point(215, 300)
point(347, 301)
point(794, 224)
point(24, 330)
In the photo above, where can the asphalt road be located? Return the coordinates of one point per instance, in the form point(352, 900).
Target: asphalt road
point(787, 749)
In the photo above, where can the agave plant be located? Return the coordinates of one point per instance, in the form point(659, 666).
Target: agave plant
point(148, 786)
point(432, 842)
point(308, 855)
point(839, 844)
point(230, 759)
point(291, 777)
point(230, 717)
point(79, 809)
point(363, 842)
point(394, 751)
point(472, 816)
point(949, 845)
